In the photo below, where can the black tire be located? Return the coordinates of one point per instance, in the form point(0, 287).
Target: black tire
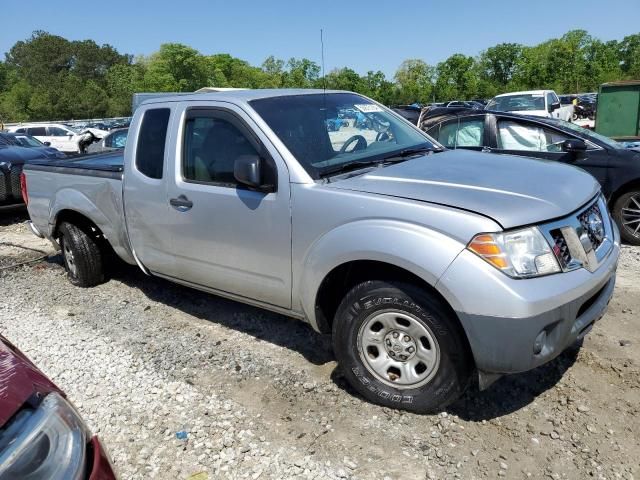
point(82, 256)
point(448, 380)
point(627, 231)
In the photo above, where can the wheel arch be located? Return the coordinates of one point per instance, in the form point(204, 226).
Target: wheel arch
point(621, 190)
point(341, 279)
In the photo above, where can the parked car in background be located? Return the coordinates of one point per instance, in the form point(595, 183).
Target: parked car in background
point(59, 136)
point(42, 436)
point(114, 140)
point(27, 141)
point(12, 160)
point(427, 266)
point(616, 167)
point(409, 112)
point(468, 104)
point(539, 103)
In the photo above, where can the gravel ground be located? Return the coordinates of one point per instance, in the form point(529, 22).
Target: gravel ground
point(177, 383)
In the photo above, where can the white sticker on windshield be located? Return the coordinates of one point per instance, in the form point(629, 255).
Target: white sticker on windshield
point(537, 95)
point(368, 108)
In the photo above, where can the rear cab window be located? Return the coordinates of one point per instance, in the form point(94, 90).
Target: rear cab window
point(151, 142)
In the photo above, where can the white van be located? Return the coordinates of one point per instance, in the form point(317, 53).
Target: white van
point(539, 103)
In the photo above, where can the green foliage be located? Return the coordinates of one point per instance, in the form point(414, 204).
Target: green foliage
point(49, 77)
point(414, 81)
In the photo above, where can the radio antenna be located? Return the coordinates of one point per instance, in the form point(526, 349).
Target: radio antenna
point(324, 77)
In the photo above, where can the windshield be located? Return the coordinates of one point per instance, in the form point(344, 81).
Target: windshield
point(328, 131)
point(591, 134)
point(28, 141)
point(516, 103)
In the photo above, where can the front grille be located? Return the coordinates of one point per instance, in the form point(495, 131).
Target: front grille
point(5, 185)
point(583, 239)
point(584, 218)
point(560, 248)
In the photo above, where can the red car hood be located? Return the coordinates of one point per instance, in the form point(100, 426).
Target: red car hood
point(19, 380)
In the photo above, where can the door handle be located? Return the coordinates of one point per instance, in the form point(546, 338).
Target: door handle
point(182, 203)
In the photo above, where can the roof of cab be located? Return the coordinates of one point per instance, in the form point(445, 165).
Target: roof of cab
point(240, 95)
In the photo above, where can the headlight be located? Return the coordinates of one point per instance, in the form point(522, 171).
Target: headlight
point(521, 253)
point(48, 442)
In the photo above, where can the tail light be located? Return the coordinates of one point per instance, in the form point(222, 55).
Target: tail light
point(23, 188)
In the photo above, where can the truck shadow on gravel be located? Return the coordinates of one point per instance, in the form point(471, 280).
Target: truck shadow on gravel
point(507, 395)
point(261, 324)
point(12, 214)
point(513, 392)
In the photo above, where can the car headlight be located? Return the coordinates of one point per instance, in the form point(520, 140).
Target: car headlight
point(47, 442)
point(521, 253)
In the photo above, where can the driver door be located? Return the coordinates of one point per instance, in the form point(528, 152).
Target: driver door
point(532, 139)
point(226, 236)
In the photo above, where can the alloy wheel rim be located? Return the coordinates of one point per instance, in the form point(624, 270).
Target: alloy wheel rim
point(631, 215)
point(398, 349)
point(68, 256)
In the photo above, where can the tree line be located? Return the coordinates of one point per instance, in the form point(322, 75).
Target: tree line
point(50, 77)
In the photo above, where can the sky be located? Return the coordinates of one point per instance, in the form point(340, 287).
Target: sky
point(363, 35)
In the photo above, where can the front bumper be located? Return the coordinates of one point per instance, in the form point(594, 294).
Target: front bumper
point(504, 318)
point(101, 468)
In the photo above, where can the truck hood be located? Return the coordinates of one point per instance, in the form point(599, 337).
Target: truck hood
point(511, 190)
point(19, 380)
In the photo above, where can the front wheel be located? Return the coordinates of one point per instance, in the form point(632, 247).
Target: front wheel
point(626, 212)
point(399, 347)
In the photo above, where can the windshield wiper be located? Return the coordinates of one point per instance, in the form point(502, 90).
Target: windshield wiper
point(408, 152)
point(400, 156)
point(346, 167)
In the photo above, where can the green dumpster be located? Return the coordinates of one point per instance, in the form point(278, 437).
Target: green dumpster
point(618, 110)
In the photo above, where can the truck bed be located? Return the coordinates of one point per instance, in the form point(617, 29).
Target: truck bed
point(89, 185)
point(104, 165)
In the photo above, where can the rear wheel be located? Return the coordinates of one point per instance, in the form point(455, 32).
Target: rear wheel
point(82, 255)
point(398, 346)
point(626, 212)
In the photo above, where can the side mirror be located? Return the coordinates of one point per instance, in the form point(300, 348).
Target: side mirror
point(249, 170)
point(574, 145)
point(554, 106)
point(47, 144)
point(69, 135)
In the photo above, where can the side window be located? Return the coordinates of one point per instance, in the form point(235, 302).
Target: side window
point(470, 132)
point(151, 142)
point(550, 99)
point(37, 131)
point(212, 143)
point(528, 137)
point(119, 139)
point(447, 135)
point(465, 132)
point(434, 131)
point(58, 132)
point(21, 130)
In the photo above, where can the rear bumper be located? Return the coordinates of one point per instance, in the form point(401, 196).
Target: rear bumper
point(34, 229)
point(517, 325)
point(101, 468)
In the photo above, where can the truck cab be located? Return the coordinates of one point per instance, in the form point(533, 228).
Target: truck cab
point(427, 266)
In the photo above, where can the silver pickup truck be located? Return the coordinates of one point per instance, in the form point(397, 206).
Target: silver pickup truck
point(427, 266)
